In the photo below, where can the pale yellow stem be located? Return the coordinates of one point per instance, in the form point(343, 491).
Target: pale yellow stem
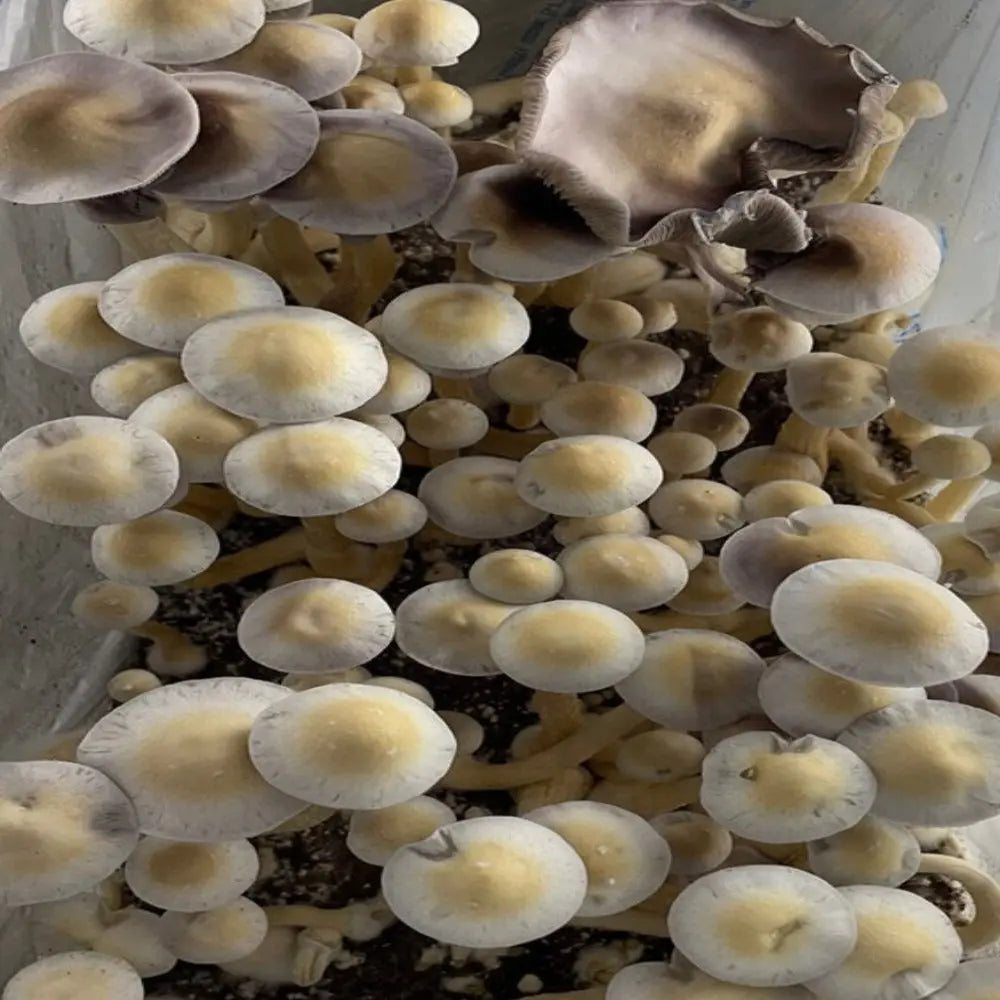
point(454, 388)
point(909, 512)
point(142, 240)
point(331, 554)
point(730, 388)
point(911, 487)
point(985, 927)
point(569, 785)
point(210, 504)
point(287, 548)
point(413, 74)
point(258, 257)
point(301, 273)
point(645, 798)
point(228, 234)
point(559, 715)
point(804, 438)
point(843, 185)
point(387, 563)
point(879, 163)
point(343, 919)
point(632, 921)
point(523, 417)
point(951, 502)
point(746, 623)
point(366, 270)
point(528, 295)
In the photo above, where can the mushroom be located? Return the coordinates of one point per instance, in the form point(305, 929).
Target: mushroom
point(416, 33)
point(599, 408)
point(682, 453)
point(725, 427)
point(404, 684)
point(81, 125)
point(351, 746)
point(706, 592)
point(134, 935)
point(63, 828)
point(525, 381)
point(649, 368)
point(659, 755)
point(877, 623)
point(622, 275)
point(392, 517)
point(630, 521)
point(446, 426)
point(489, 882)
point(567, 646)
point(469, 732)
point(757, 340)
point(626, 859)
point(223, 933)
point(697, 508)
point(180, 753)
point(697, 843)
point(606, 320)
point(129, 684)
point(973, 980)
point(316, 626)
point(87, 471)
point(691, 551)
point(765, 463)
point(374, 835)
point(829, 390)
point(781, 498)
point(288, 955)
point(776, 791)
point(872, 852)
point(943, 456)
point(406, 386)
point(516, 576)
point(936, 762)
point(906, 947)
point(437, 104)
point(122, 386)
point(679, 980)
point(372, 94)
point(762, 925)
point(76, 975)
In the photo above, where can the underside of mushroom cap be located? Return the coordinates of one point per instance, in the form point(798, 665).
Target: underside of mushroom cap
point(677, 137)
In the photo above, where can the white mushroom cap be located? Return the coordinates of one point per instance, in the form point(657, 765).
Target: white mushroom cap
point(458, 326)
point(682, 453)
point(404, 684)
point(315, 626)
point(937, 763)
point(803, 699)
point(599, 408)
point(973, 980)
point(121, 387)
point(697, 843)
point(222, 934)
point(63, 828)
point(529, 379)
point(626, 572)
point(448, 626)
point(134, 935)
point(948, 376)
point(162, 300)
point(691, 551)
point(567, 646)
point(697, 508)
point(374, 835)
point(383, 422)
point(681, 981)
point(757, 339)
point(830, 390)
point(285, 365)
point(406, 385)
point(725, 427)
point(201, 433)
point(587, 475)
point(351, 746)
point(76, 975)
point(606, 320)
point(87, 471)
point(659, 755)
point(489, 882)
point(906, 948)
point(180, 752)
point(469, 732)
point(630, 521)
point(372, 94)
point(782, 497)
point(989, 435)
point(174, 875)
point(873, 852)
point(476, 497)
point(764, 463)
point(516, 576)
point(111, 605)
point(951, 456)
point(63, 329)
point(649, 368)
point(706, 592)
point(878, 623)
point(437, 104)
point(308, 470)
point(447, 424)
point(416, 33)
point(155, 550)
point(626, 859)
point(694, 679)
point(777, 791)
point(128, 684)
point(762, 925)
point(393, 516)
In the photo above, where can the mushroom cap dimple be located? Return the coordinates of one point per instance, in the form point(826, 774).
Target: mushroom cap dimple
point(76, 975)
point(416, 32)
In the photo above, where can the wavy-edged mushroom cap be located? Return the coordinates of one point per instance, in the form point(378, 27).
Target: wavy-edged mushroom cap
point(567, 646)
point(906, 948)
point(937, 762)
point(374, 835)
point(309, 58)
point(951, 456)
point(82, 125)
point(161, 301)
point(489, 882)
point(781, 498)
point(681, 981)
point(316, 626)
point(659, 755)
point(697, 843)
point(285, 365)
point(694, 679)
point(878, 623)
point(587, 475)
point(476, 497)
point(308, 470)
point(416, 33)
point(437, 104)
point(648, 368)
point(863, 259)
point(180, 753)
point(406, 385)
point(457, 326)
point(64, 330)
point(724, 426)
point(111, 605)
point(174, 875)
point(630, 521)
point(351, 746)
point(874, 851)
point(802, 699)
point(447, 424)
point(372, 172)
point(765, 463)
point(626, 572)
point(831, 390)
point(759, 557)
point(975, 979)
point(606, 320)
point(516, 576)
point(221, 934)
point(254, 134)
point(699, 509)
point(76, 975)
point(682, 453)
point(201, 433)
point(156, 550)
point(122, 386)
point(757, 340)
point(63, 828)
point(626, 859)
point(393, 516)
point(777, 791)
point(762, 925)
point(529, 379)
point(87, 471)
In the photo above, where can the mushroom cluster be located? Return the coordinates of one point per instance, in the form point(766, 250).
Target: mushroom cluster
point(760, 661)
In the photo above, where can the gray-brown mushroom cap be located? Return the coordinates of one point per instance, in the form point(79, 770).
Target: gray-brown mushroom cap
point(82, 125)
point(661, 148)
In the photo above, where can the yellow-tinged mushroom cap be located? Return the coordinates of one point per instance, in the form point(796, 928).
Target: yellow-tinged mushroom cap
point(76, 975)
point(121, 387)
point(725, 427)
point(374, 835)
point(599, 408)
point(437, 104)
point(697, 843)
point(874, 851)
point(393, 516)
point(223, 933)
point(416, 33)
point(642, 365)
point(681, 981)
point(830, 390)
point(697, 508)
point(757, 339)
point(516, 576)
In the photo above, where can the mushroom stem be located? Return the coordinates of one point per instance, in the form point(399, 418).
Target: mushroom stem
point(911, 486)
point(388, 560)
point(860, 467)
point(596, 732)
point(528, 295)
point(985, 927)
point(800, 436)
point(454, 388)
point(413, 74)
point(343, 919)
point(256, 255)
point(571, 784)
point(560, 715)
point(647, 799)
point(908, 430)
point(746, 623)
point(331, 554)
point(173, 645)
point(249, 510)
point(909, 512)
point(300, 272)
point(142, 240)
point(287, 548)
point(210, 504)
point(509, 444)
point(842, 186)
point(523, 417)
point(228, 234)
point(367, 267)
point(954, 498)
point(730, 388)
point(631, 922)
point(438, 456)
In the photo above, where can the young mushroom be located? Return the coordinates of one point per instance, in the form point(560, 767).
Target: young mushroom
point(416, 33)
point(374, 835)
point(406, 386)
point(599, 408)
point(517, 576)
point(698, 509)
point(223, 933)
point(659, 755)
point(129, 684)
point(757, 340)
point(135, 936)
point(682, 453)
point(649, 368)
point(525, 382)
point(76, 975)
point(122, 386)
point(697, 843)
point(604, 321)
point(437, 104)
point(874, 851)
point(630, 521)
point(446, 426)
point(829, 390)
point(725, 427)
point(679, 980)
point(781, 498)
point(706, 592)
point(766, 463)
point(392, 517)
